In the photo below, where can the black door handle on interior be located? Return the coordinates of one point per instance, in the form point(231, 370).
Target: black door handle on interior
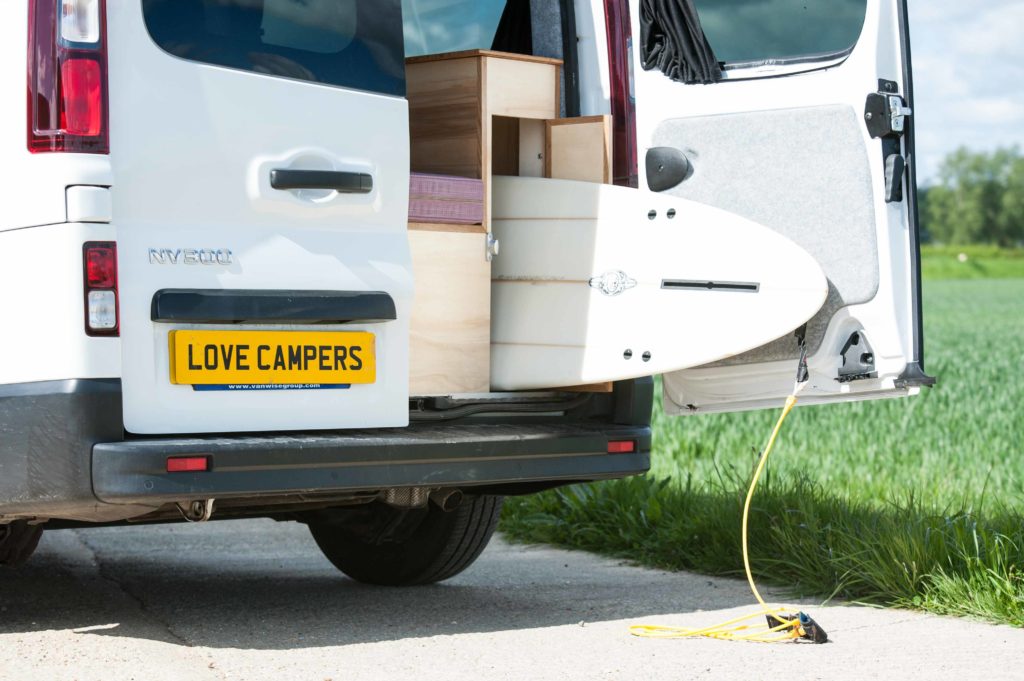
point(340, 181)
point(666, 168)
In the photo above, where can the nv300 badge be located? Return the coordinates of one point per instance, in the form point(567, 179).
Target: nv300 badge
point(189, 256)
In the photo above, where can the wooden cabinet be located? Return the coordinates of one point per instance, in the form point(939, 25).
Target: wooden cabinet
point(454, 97)
point(476, 114)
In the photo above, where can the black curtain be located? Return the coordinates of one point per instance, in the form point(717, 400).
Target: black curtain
point(672, 41)
point(515, 30)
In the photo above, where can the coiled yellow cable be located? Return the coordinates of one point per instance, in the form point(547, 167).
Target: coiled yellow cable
point(735, 629)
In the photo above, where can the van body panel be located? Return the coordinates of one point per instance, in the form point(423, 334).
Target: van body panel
point(44, 335)
point(193, 146)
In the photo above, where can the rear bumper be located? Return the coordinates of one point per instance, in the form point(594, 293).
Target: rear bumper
point(134, 471)
point(64, 454)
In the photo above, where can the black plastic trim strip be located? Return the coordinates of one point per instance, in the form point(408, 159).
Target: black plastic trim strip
point(705, 285)
point(238, 306)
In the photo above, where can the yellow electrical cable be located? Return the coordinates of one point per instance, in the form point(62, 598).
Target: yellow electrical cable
point(734, 630)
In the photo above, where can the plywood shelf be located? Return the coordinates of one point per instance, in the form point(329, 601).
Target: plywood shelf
point(463, 54)
point(447, 227)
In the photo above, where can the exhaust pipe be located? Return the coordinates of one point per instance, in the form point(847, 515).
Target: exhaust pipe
point(447, 499)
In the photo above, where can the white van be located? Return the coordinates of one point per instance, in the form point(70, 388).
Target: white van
point(213, 277)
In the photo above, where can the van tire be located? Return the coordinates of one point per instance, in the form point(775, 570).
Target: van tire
point(18, 540)
point(383, 545)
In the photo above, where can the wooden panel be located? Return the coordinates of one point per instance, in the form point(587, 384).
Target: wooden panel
point(445, 56)
point(444, 117)
point(505, 145)
point(449, 338)
point(523, 89)
point(579, 149)
point(520, 88)
point(447, 227)
point(458, 157)
point(605, 387)
point(531, 147)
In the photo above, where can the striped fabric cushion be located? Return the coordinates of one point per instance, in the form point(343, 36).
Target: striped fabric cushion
point(443, 198)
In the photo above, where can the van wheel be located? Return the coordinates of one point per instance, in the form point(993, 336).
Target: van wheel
point(380, 544)
point(18, 540)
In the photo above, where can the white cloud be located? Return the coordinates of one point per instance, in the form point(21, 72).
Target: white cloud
point(968, 76)
point(993, 32)
point(989, 111)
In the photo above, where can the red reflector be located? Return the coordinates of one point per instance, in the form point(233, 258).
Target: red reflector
point(621, 446)
point(100, 266)
point(81, 83)
point(186, 464)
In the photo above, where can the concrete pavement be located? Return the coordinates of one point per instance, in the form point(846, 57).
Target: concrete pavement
point(256, 600)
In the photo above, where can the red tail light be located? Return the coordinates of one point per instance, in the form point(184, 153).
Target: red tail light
point(100, 265)
point(67, 76)
point(620, 68)
point(101, 300)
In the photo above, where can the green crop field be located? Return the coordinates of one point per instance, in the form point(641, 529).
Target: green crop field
point(971, 262)
point(915, 502)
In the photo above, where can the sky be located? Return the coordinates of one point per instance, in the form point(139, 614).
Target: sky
point(968, 62)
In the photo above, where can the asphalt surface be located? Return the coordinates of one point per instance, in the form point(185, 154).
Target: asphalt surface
point(256, 600)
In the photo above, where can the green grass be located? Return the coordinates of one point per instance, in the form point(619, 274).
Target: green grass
point(971, 262)
point(915, 502)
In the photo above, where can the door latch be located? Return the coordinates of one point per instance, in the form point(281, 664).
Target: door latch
point(885, 115)
point(858, 359)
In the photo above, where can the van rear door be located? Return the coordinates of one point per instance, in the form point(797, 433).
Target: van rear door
point(801, 121)
point(260, 155)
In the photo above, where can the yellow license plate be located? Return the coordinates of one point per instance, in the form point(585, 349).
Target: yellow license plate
point(272, 357)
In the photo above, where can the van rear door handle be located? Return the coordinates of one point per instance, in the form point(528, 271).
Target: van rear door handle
point(339, 180)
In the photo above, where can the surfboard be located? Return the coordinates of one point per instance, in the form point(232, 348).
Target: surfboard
point(597, 283)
